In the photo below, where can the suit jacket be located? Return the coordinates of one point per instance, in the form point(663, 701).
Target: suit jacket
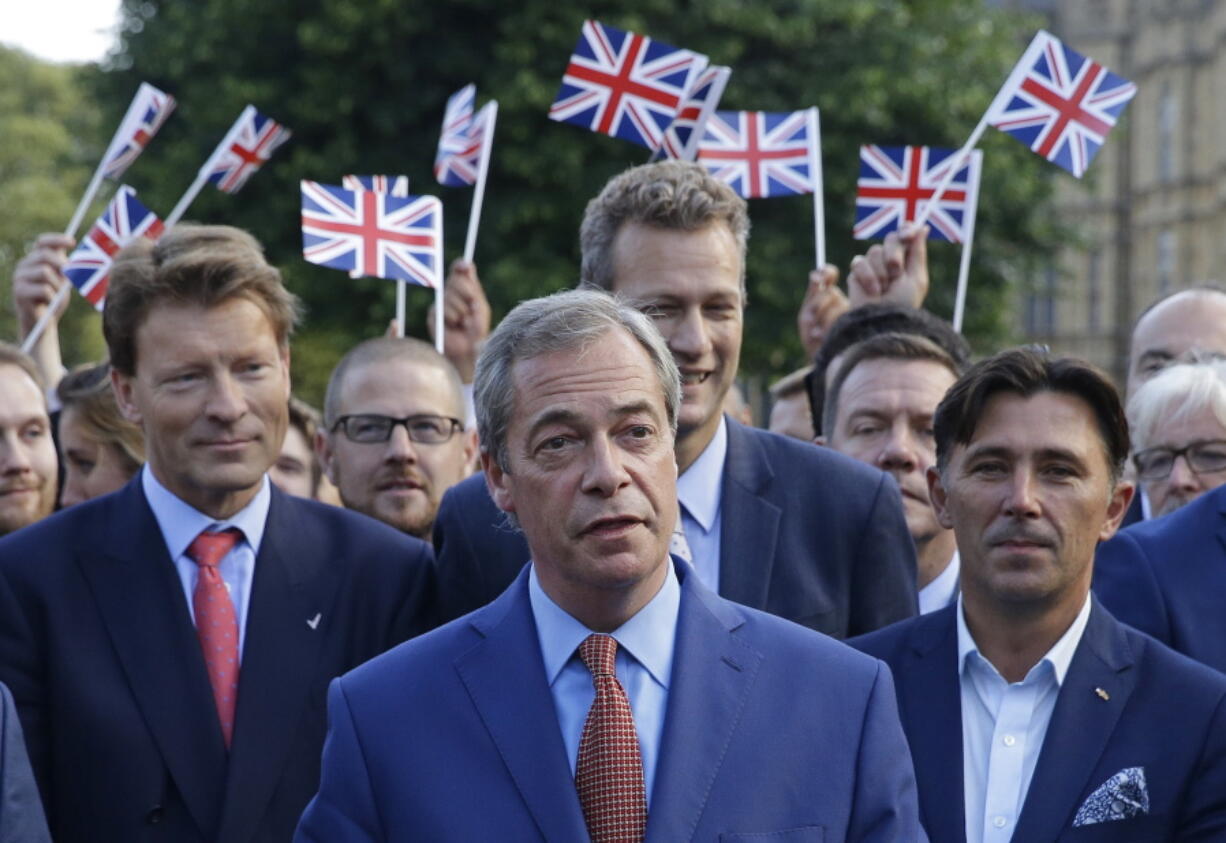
point(1163, 712)
point(98, 647)
point(21, 812)
point(1167, 577)
point(807, 534)
point(771, 732)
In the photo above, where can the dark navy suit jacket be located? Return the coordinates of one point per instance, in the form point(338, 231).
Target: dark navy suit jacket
point(1162, 712)
point(1167, 577)
point(98, 648)
point(807, 534)
point(21, 811)
point(772, 732)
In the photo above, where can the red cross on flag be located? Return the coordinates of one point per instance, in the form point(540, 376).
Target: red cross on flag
point(896, 185)
point(250, 142)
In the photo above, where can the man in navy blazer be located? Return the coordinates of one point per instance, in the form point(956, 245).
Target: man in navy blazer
point(133, 729)
point(776, 524)
point(1031, 712)
point(715, 721)
point(1167, 577)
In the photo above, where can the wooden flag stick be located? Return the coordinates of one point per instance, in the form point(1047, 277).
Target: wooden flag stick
point(474, 214)
point(815, 168)
point(964, 267)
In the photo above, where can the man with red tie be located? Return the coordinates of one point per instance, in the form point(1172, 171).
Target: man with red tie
point(168, 645)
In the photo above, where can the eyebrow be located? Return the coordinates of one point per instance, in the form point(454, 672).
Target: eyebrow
point(1043, 454)
point(1155, 355)
point(564, 416)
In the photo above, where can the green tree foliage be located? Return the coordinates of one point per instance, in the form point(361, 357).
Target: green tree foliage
point(363, 84)
point(48, 144)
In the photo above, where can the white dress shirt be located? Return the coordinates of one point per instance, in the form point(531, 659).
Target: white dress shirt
point(940, 592)
point(700, 490)
point(1003, 726)
point(180, 523)
point(644, 666)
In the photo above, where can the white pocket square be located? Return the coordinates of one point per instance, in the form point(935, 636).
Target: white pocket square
point(1122, 796)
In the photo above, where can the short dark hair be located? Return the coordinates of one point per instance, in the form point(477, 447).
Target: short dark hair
point(1026, 372)
point(884, 347)
point(859, 324)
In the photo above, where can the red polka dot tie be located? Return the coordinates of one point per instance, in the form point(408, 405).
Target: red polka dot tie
point(216, 622)
point(609, 774)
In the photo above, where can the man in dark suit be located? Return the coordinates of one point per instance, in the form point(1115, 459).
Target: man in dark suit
point(1031, 712)
point(21, 812)
point(776, 524)
point(607, 694)
point(168, 645)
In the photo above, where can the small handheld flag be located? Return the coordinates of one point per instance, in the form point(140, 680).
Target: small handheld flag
point(624, 84)
point(395, 185)
point(683, 135)
point(896, 185)
point(454, 162)
point(89, 265)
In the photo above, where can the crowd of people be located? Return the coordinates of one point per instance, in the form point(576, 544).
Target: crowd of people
point(555, 584)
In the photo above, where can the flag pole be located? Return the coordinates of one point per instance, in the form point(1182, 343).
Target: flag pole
point(474, 214)
point(438, 317)
point(815, 168)
point(964, 267)
point(439, 275)
point(192, 192)
point(41, 325)
point(400, 296)
point(83, 205)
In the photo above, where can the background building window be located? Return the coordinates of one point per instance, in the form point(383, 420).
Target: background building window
point(1166, 261)
point(1094, 291)
point(1168, 107)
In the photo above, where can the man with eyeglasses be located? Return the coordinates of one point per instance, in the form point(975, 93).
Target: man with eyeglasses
point(1167, 575)
point(394, 438)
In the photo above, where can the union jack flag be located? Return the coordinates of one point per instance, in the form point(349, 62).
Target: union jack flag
point(624, 84)
point(461, 164)
point(761, 153)
point(453, 142)
point(684, 133)
point(896, 186)
point(395, 185)
point(250, 142)
point(89, 265)
point(1060, 103)
point(371, 233)
point(148, 111)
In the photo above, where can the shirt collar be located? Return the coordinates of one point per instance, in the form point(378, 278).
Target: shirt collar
point(699, 487)
point(940, 592)
point(648, 636)
point(180, 522)
point(1059, 657)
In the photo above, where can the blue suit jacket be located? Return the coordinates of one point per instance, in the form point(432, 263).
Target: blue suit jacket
point(771, 730)
point(808, 534)
point(1167, 577)
point(1164, 713)
point(98, 648)
point(21, 812)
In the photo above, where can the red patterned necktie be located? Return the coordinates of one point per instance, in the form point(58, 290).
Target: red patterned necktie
point(609, 774)
point(216, 622)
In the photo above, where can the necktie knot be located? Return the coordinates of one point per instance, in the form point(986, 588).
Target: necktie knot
point(208, 549)
point(599, 654)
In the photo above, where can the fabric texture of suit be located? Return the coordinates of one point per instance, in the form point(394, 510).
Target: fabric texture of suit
point(771, 732)
point(808, 534)
point(1126, 702)
point(21, 811)
point(1167, 577)
point(99, 650)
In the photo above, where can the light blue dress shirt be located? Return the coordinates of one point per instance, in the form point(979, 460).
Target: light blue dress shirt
point(699, 490)
point(940, 592)
point(644, 667)
point(1003, 726)
point(181, 523)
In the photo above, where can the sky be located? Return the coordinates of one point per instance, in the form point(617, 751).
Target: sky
point(60, 30)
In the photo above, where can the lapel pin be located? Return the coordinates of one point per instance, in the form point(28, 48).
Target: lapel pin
point(314, 622)
point(1101, 693)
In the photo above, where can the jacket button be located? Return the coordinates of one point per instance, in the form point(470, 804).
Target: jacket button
point(154, 816)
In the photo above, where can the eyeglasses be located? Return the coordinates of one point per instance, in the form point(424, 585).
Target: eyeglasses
point(368, 428)
point(1202, 457)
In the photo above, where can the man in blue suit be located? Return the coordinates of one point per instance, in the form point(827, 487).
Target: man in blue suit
point(1032, 713)
point(169, 645)
point(607, 693)
point(778, 525)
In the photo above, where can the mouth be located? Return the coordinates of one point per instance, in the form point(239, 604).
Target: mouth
point(228, 444)
point(694, 378)
point(612, 527)
point(18, 490)
point(400, 484)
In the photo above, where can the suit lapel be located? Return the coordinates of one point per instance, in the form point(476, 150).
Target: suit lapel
point(1080, 727)
point(750, 523)
point(505, 678)
point(141, 601)
point(931, 711)
point(281, 653)
point(713, 673)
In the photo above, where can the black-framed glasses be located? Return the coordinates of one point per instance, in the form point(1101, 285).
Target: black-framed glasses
point(369, 428)
point(1202, 457)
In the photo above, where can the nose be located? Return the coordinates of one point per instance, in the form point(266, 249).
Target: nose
point(689, 336)
point(1021, 500)
point(899, 453)
point(1182, 478)
point(400, 448)
point(604, 472)
point(226, 401)
point(14, 455)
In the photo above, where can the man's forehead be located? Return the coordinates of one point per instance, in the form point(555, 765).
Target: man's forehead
point(1046, 421)
point(22, 395)
point(1192, 318)
point(396, 381)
